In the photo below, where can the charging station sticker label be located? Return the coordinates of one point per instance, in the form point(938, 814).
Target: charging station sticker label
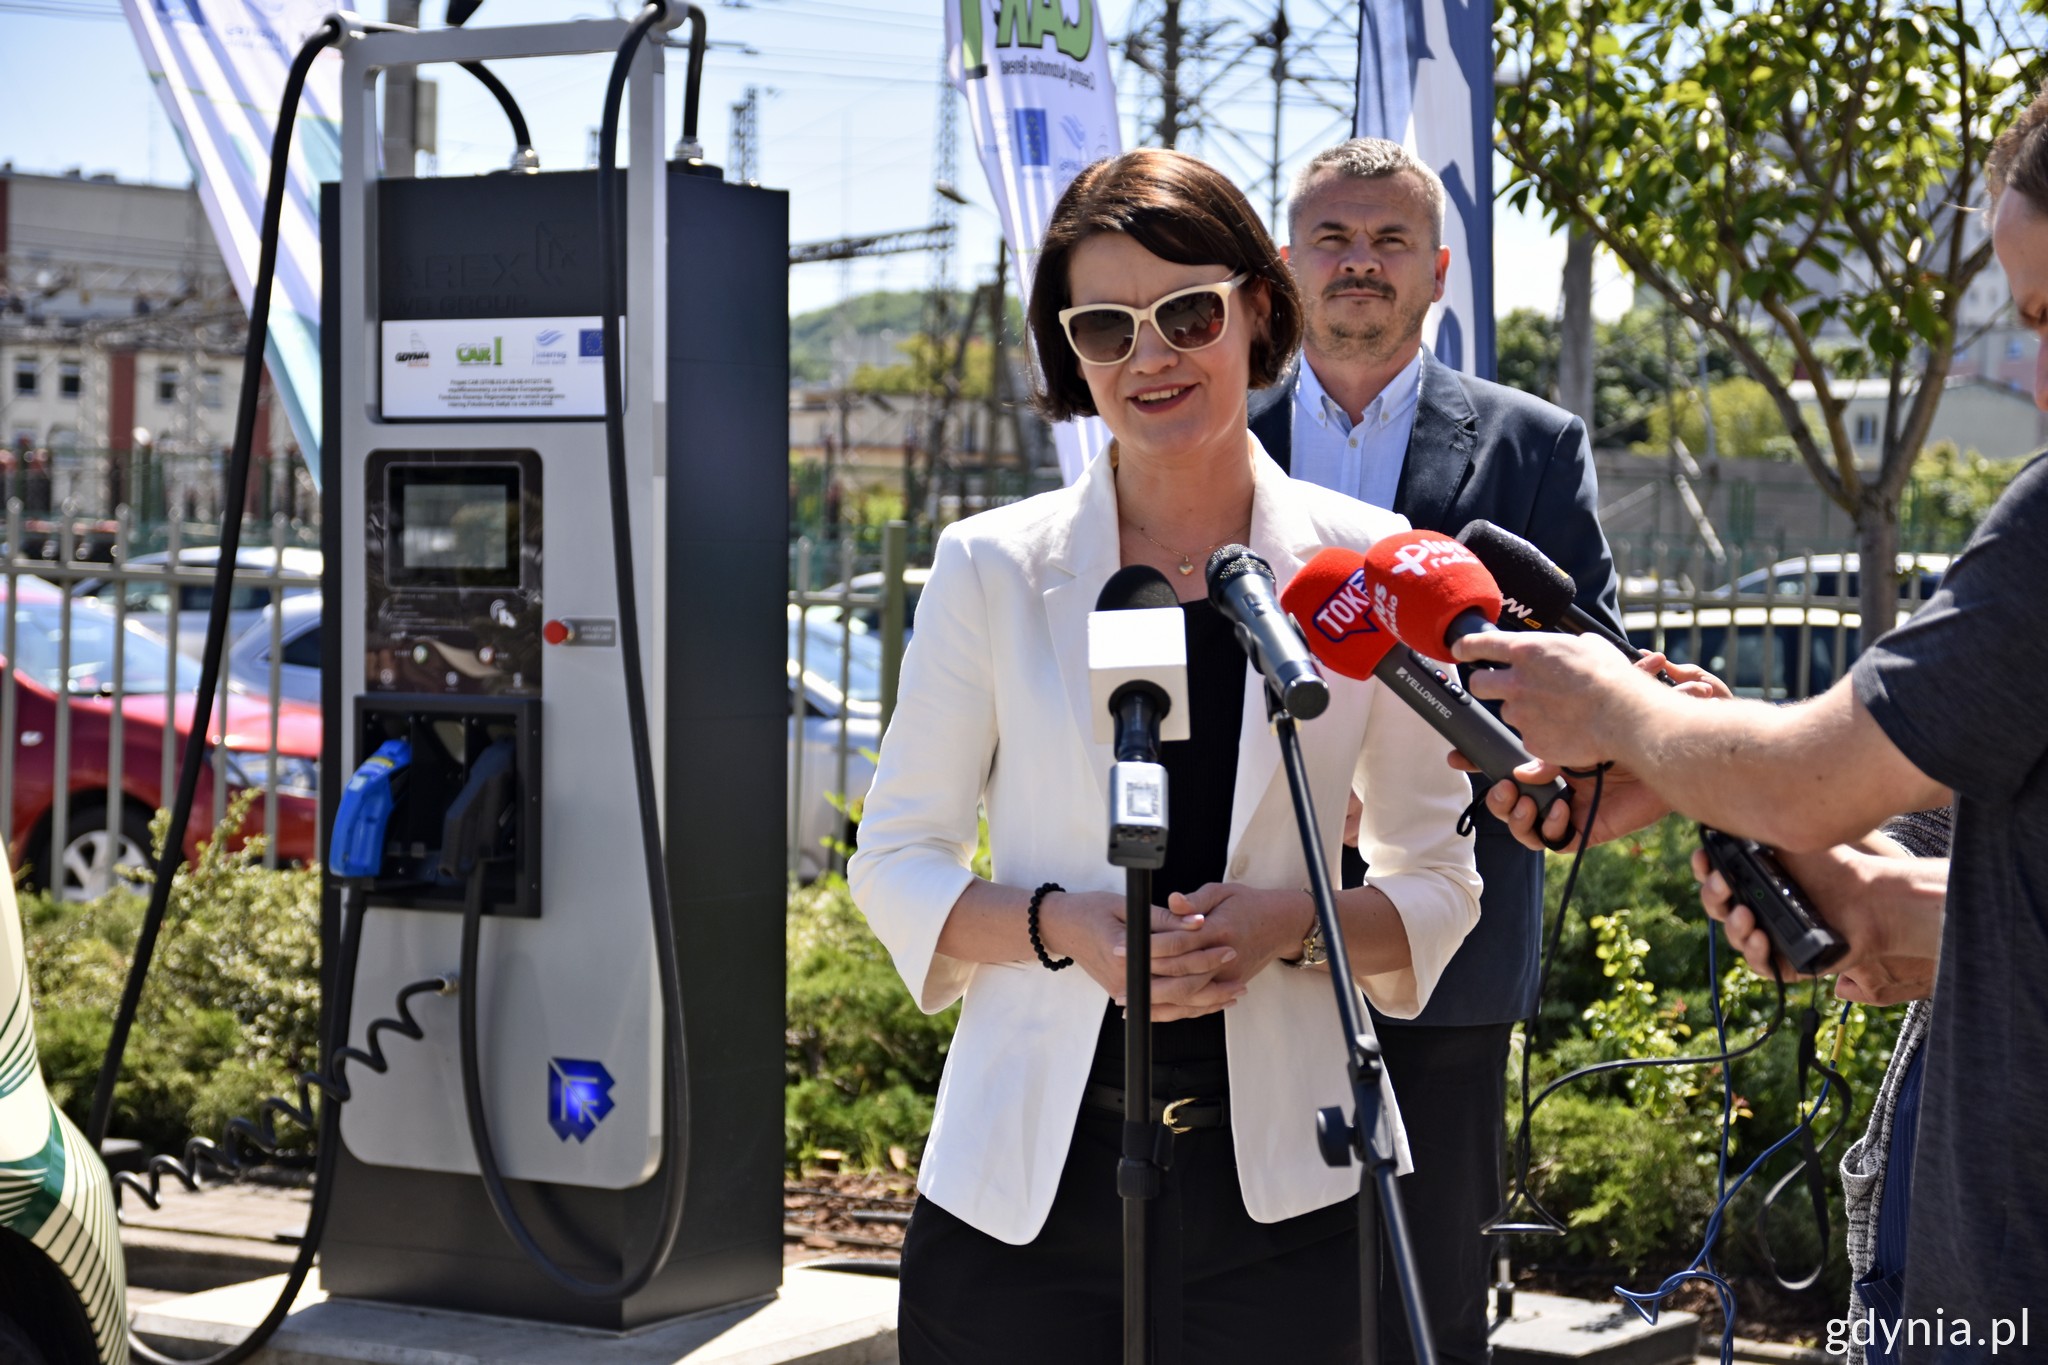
point(493, 367)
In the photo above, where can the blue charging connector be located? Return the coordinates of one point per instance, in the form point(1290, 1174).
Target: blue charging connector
point(357, 849)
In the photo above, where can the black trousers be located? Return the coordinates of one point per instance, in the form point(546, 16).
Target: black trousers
point(1247, 1291)
point(1452, 1086)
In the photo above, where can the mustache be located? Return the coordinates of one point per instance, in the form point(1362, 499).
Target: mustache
point(1337, 287)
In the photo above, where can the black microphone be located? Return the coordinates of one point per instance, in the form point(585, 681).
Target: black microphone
point(1242, 587)
point(1536, 594)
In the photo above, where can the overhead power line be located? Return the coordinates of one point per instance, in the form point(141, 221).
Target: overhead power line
point(938, 236)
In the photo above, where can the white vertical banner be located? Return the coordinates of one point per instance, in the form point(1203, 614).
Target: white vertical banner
point(220, 67)
point(1042, 106)
point(1425, 80)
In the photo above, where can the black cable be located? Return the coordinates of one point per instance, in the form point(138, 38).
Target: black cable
point(693, 77)
point(241, 1136)
point(196, 746)
point(1549, 1223)
point(675, 1165)
point(338, 994)
point(505, 102)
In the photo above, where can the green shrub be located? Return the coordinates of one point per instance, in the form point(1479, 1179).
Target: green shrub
point(1628, 1158)
point(862, 1060)
point(231, 1012)
point(1626, 1184)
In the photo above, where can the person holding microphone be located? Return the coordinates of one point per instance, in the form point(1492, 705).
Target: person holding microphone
point(1158, 303)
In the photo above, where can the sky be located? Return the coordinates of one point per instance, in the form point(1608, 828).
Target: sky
point(848, 106)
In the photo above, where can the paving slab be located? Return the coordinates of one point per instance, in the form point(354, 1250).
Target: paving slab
point(821, 1317)
point(219, 1235)
point(1549, 1330)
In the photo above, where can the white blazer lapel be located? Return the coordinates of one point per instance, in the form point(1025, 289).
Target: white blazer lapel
point(1075, 573)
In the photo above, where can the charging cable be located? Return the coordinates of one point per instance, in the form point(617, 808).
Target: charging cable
point(675, 1068)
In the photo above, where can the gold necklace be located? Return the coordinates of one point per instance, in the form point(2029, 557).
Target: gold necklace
point(1187, 563)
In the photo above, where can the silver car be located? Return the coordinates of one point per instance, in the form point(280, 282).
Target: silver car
point(828, 726)
point(298, 652)
point(149, 599)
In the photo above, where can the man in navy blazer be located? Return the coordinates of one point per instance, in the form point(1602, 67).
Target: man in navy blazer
point(1370, 412)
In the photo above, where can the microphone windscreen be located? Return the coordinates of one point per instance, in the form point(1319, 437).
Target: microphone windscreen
point(1229, 563)
point(1136, 586)
point(1535, 593)
point(1332, 603)
point(1422, 581)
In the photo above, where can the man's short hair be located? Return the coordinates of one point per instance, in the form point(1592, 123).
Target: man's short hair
point(1369, 158)
point(2019, 158)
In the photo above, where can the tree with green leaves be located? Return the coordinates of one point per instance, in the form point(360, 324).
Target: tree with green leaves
point(1814, 167)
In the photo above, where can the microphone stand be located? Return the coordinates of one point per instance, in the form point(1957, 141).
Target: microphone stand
point(1137, 843)
point(1378, 1196)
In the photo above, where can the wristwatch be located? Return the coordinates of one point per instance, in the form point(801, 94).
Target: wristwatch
point(1314, 953)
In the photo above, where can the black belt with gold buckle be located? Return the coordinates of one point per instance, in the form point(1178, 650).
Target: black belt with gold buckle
point(1179, 1115)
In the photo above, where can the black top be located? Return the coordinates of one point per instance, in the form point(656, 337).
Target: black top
point(1949, 687)
point(1201, 774)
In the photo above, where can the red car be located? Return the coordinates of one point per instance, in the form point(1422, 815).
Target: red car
point(94, 844)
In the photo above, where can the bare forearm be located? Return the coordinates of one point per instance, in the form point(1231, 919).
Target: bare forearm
point(1802, 777)
point(989, 923)
point(1375, 940)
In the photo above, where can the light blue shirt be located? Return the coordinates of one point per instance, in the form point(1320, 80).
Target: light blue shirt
point(1363, 460)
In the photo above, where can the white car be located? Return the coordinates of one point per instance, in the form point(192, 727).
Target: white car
point(149, 599)
point(1834, 577)
point(824, 725)
point(1779, 653)
point(868, 617)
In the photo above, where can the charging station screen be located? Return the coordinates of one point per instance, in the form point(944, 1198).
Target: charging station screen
point(454, 528)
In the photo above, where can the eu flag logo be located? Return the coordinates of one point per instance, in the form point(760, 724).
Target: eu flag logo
point(590, 341)
point(1034, 143)
point(579, 1097)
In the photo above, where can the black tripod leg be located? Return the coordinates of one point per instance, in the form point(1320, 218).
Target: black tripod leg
point(1368, 1269)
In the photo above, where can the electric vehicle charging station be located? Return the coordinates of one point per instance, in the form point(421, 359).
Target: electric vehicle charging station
point(470, 612)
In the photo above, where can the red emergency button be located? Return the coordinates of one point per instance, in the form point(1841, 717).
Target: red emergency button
point(558, 632)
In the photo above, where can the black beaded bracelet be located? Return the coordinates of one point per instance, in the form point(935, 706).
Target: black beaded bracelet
point(1037, 943)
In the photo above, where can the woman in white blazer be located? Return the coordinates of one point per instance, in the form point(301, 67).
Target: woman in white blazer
point(1159, 301)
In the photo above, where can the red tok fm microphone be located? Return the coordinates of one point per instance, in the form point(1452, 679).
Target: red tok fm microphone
point(1332, 599)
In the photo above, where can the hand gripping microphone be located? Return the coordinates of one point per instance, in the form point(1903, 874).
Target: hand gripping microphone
point(1430, 591)
point(1536, 594)
point(1138, 678)
point(1331, 600)
point(1241, 586)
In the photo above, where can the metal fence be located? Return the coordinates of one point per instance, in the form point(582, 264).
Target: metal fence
point(1784, 628)
point(845, 657)
point(108, 701)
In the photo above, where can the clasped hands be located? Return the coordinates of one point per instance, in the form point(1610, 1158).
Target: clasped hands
point(1207, 945)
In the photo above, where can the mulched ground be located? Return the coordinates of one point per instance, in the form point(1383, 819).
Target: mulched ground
point(825, 1213)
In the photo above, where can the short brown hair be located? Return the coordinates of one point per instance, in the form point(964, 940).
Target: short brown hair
point(1181, 210)
point(2019, 159)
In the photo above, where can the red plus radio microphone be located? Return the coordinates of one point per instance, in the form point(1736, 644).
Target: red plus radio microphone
point(1333, 601)
point(1430, 590)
